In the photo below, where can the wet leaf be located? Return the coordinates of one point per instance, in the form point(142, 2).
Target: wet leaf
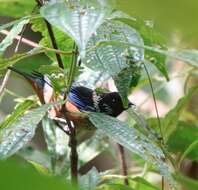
point(133, 140)
point(18, 134)
point(77, 19)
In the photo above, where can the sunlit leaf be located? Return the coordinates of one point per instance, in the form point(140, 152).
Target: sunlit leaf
point(18, 134)
point(132, 139)
point(20, 109)
point(7, 41)
point(16, 8)
point(77, 19)
point(109, 58)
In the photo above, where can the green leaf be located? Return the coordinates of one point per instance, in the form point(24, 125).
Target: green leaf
point(21, 175)
point(18, 134)
point(112, 59)
point(171, 118)
point(189, 183)
point(145, 183)
point(151, 38)
point(16, 8)
point(130, 138)
point(40, 168)
point(64, 42)
point(5, 62)
point(20, 109)
point(127, 79)
point(7, 41)
point(90, 180)
point(77, 19)
point(56, 141)
point(184, 140)
point(113, 186)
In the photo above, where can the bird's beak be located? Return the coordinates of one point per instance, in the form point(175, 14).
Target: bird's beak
point(130, 104)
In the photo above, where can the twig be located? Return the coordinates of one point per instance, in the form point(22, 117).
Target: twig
point(35, 45)
point(5, 81)
point(24, 40)
point(123, 164)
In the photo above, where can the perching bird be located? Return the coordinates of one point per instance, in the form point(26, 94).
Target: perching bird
point(80, 98)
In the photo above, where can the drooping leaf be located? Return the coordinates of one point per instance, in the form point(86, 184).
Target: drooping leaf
point(77, 19)
point(126, 80)
point(182, 139)
point(109, 58)
point(90, 180)
point(18, 134)
point(7, 41)
point(130, 138)
point(20, 109)
point(56, 141)
point(171, 118)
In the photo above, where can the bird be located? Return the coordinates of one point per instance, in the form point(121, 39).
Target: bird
point(80, 98)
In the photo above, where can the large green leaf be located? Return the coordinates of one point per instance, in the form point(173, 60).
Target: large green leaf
point(182, 140)
point(21, 175)
point(133, 140)
point(16, 8)
point(20, 109)
point(77, 19)
point(7, 41)
point(109, 58)
point(150, 37)
point(171, 118)
point(19, 133)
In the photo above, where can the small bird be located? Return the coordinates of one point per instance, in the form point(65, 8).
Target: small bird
point(80, 98)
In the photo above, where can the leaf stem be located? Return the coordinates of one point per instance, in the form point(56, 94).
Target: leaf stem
point(123, 164)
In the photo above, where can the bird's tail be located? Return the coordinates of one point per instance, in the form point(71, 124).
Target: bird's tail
point(40, 83)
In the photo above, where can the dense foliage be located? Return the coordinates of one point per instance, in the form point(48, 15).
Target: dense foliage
point(95, 42)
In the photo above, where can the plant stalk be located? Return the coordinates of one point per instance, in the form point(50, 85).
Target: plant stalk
point(123, 164)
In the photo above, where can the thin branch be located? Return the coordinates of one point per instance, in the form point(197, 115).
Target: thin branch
point(123, 164)
point(73, 142)
point(36, 45)
point(22, 39)
point(155, 102)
